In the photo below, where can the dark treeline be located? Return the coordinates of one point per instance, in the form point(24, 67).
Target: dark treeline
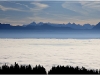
point(72, 70)
point(22, 69)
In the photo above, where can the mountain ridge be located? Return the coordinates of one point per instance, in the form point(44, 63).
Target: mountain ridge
point(47, 26)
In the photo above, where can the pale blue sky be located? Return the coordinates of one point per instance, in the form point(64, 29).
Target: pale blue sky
point(25, 12)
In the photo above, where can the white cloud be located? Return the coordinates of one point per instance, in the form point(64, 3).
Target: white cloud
point(73, 6)
point(95, 5)
point(9, 8)
point(21, 4)
point(39, 6)
point(82, 7)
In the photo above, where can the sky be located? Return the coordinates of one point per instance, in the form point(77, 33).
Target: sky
point(53, 11)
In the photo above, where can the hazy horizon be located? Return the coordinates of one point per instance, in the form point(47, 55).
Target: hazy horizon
point(52, 23)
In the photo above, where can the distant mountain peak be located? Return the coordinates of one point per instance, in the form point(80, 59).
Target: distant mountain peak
point(32, 24)
point(74, 23)
point(69, 23)
point(97, 26)
point(98, 23)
